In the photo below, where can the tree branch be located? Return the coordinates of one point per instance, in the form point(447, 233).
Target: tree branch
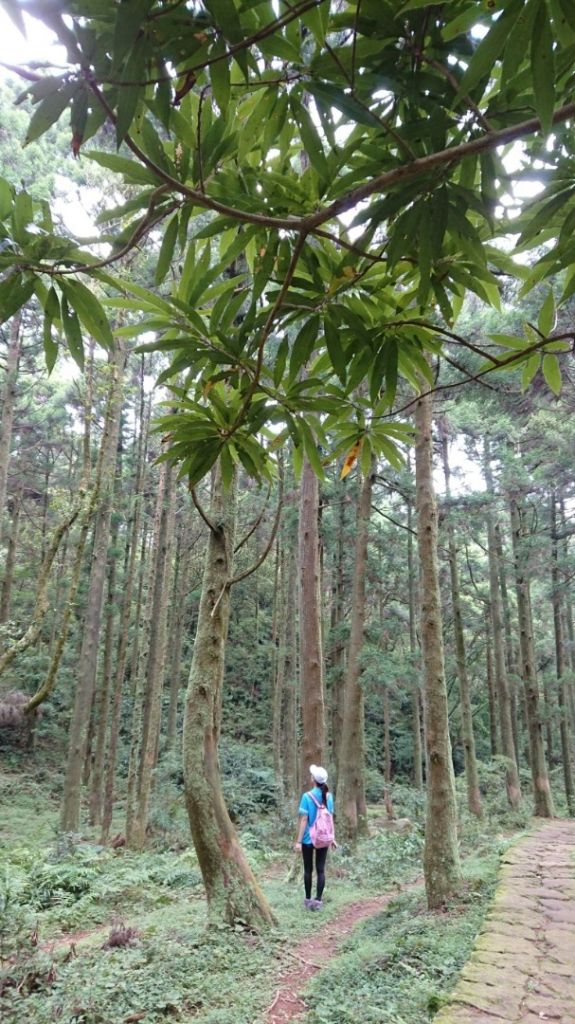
point(202, 512)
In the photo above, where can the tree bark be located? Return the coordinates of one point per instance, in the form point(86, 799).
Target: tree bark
point(490, 674)
point(441, 855)
point(125, 616)
point(156, 661)
point(233, 893)
point(566, 753)
point(541, 790)
point(181, 583)
point(290, 714)
point(336, 660)
point(414, 656)
point(468, 737)
point(6, 602)
point(102, 695)
point(352, 808)
point(8, 407)
point(503, 702)
point(80, 723)
point(311, 656)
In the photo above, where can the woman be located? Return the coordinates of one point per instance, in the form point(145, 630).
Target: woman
point(307, 814)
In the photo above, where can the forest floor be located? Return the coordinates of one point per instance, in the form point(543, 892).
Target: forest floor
point(374, 955)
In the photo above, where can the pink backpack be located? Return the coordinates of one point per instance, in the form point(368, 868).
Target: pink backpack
point(322, 832)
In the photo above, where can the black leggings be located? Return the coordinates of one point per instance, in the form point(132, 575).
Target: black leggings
point(320, 857)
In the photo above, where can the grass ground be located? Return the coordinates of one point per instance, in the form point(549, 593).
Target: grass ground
point(59, 900)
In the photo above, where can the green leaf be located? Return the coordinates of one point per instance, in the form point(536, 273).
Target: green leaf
point(201, 461)
point(552, 373)
point(15, 290)
point(50, 346)
point(547, 315)
point(303, 346)
point(311, 450)
point(336, 353)
point(48, 111)
point(226, 18)
point(166, 253)
point(227, 468)
point(132, 171)
point(509, 341)
point(543, 67)
point(72, 332)
point(6, 198)
point(220, 75)
point(529, 370)
point(22, 215)
point(335, 97)
point(89, 310)
point(489, 48)
point(310, 140)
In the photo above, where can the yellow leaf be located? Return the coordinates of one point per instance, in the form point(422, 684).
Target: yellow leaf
point(351, 459)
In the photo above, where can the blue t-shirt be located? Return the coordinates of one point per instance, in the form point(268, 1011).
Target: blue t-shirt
point(307, 806)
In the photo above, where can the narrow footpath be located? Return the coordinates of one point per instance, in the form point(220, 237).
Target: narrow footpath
point(315, 952)
point(522, 969)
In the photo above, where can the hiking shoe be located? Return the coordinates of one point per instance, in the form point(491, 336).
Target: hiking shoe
point(309, 904)
point(316, 905)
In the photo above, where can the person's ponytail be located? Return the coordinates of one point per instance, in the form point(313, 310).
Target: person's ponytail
point(324, 791)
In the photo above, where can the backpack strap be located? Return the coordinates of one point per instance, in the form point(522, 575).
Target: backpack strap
point(316, 801)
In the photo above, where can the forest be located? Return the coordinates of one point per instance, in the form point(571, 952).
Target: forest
point(286, 480)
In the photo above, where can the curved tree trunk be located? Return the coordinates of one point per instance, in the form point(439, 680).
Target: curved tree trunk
point(352, 808)
point(233, 893)
point(441, 855)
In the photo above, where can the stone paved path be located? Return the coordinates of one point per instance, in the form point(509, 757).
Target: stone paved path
point(522, 969)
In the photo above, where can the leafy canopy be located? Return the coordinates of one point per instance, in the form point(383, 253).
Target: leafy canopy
point(326, 177)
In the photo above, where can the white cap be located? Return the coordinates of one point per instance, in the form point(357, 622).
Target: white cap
point(319, 774)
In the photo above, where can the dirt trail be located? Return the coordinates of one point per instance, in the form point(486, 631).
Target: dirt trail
point(315, 951)
point(522, 970)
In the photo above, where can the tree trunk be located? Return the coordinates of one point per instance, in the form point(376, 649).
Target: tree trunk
point(8, 406)
point(156, 661)
point(141, 708)
point(181, 583)
point(279, 637)
point(491, 694)
point(352, 808)
point(468, 738)
point(504, 704)
point(311, 657)
point(337, 617)
point(233, 893)
point(441, 855)
point(290, 715)
point(414, 656)
point(102, 695)
point(541, 790)
point(6, 602)
point(566, 752)
point(79, 726)
point(125, 616)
